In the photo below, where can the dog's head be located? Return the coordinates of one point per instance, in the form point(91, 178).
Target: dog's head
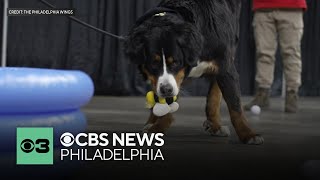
point(165, 47)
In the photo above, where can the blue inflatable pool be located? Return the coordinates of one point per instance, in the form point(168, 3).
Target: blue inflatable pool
point(33, 90)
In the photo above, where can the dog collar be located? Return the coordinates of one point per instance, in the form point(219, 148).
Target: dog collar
point(161, 14)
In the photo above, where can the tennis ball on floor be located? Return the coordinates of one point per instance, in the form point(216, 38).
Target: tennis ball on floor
point(256, 109)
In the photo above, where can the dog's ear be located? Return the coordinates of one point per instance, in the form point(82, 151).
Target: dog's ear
point(190, 41)
point(134, 46)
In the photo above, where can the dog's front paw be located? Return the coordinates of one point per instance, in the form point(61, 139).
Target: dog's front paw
point(223, 131)
point(256, 140)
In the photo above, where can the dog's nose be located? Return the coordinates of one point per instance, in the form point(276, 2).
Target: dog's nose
point(166, 89)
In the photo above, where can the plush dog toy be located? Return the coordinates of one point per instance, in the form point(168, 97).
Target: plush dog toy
point(161, 106)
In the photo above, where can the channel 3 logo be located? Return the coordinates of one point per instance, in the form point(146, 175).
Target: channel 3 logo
point(34, 146)
point(28, 145)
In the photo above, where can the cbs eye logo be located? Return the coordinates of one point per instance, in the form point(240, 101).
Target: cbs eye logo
point(67, 139)
point(41, 145)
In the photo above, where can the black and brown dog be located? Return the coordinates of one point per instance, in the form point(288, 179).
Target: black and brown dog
point(182, 39)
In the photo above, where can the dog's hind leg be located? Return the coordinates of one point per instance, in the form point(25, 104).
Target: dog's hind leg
point(213, 123)
point(158, 124)
point(230, 88)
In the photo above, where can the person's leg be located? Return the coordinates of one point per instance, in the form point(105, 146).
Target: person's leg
point(290, 27)
point(265, 34)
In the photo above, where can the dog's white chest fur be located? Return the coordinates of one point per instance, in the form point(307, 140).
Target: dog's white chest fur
point(203, 68)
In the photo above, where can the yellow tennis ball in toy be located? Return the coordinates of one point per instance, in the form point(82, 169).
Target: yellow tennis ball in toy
point(162, 100)
point(150, 99)
point(175, 98)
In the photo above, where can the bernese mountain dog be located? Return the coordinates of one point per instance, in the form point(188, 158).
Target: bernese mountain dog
point(180, 39)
